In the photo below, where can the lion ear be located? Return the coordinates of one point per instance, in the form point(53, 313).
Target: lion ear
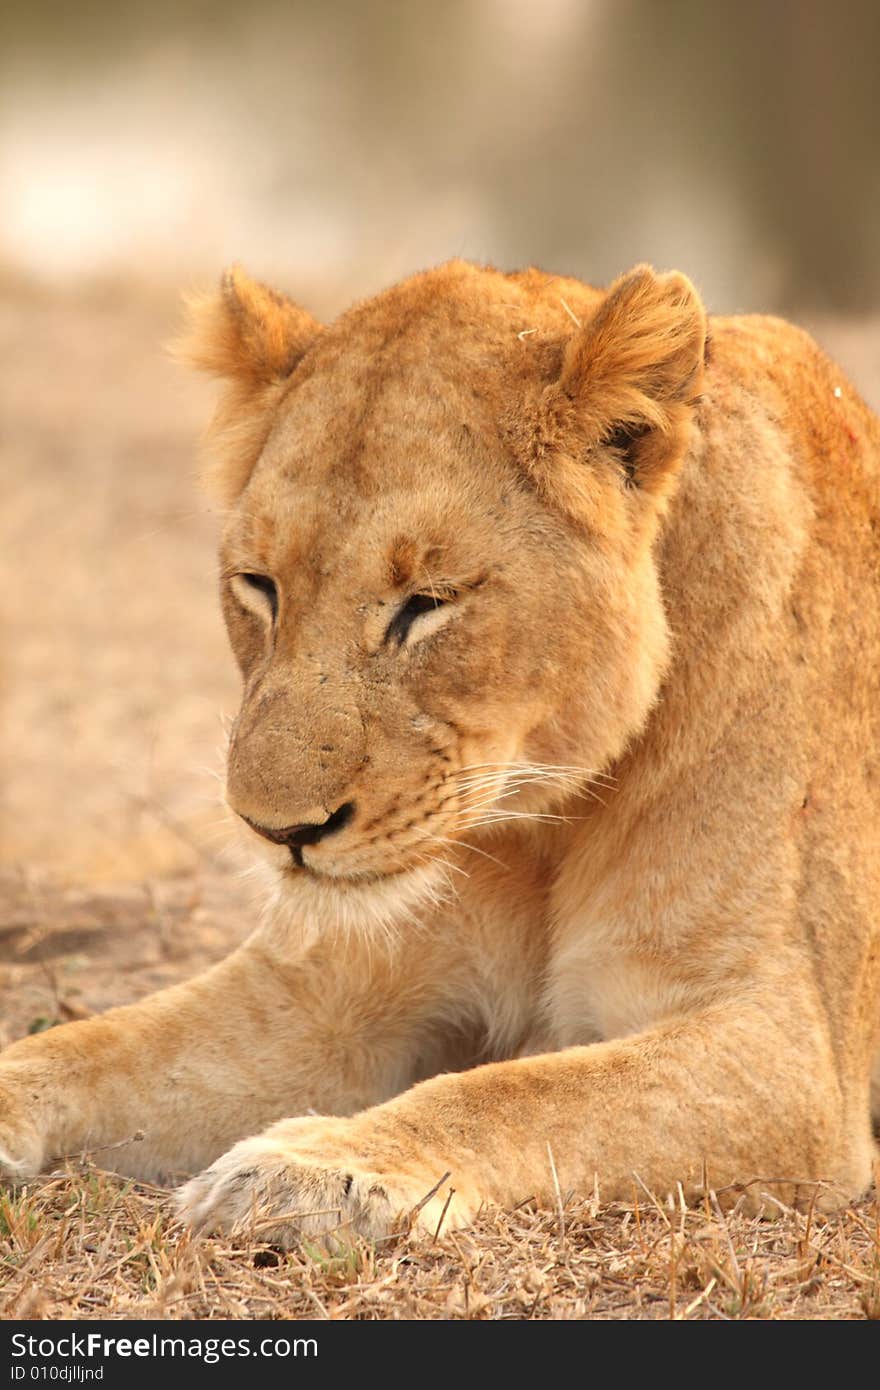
point(245, 332)
point(634, 370)
point(253, 338)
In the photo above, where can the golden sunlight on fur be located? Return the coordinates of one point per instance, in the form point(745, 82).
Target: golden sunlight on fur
point(558, 617)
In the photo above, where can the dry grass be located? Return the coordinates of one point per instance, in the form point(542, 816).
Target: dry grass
point(84, 1244)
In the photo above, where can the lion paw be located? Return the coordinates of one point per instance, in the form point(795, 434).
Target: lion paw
point(286, 1184)
point(21, 1145)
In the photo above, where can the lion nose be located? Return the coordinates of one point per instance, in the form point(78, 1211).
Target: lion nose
point(295, 836)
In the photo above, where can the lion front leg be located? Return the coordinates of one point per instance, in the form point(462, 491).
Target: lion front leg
point(166, 1085)
point(716, 1093)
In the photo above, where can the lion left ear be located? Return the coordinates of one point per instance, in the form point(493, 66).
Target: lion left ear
point(634, 370)
point(252, 337)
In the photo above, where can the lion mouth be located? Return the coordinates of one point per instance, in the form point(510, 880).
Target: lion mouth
point(297, 868)
point(294, 837)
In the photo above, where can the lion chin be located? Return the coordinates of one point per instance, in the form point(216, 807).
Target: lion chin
point(306, 907)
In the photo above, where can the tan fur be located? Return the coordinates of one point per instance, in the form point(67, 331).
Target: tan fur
point(606, 902)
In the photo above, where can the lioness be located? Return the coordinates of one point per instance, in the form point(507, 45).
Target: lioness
point(559, 626)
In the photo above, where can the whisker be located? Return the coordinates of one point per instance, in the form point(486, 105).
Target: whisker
point(567, 768)
point(443, 840)
point(539, 817)
point(497, 781)
point(447, 840)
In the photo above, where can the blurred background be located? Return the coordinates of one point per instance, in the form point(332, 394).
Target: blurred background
point(332, 146)
point(342, 143)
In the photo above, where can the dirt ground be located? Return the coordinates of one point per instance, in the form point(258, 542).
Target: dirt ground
point(119, 873)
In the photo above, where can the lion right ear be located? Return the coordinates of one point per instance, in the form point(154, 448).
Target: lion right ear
point(252, 337)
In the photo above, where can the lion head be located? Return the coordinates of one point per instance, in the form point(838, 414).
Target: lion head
point(437, 568)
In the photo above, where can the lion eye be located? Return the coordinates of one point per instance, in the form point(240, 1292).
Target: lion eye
point(398, 628)
point(262, 584)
